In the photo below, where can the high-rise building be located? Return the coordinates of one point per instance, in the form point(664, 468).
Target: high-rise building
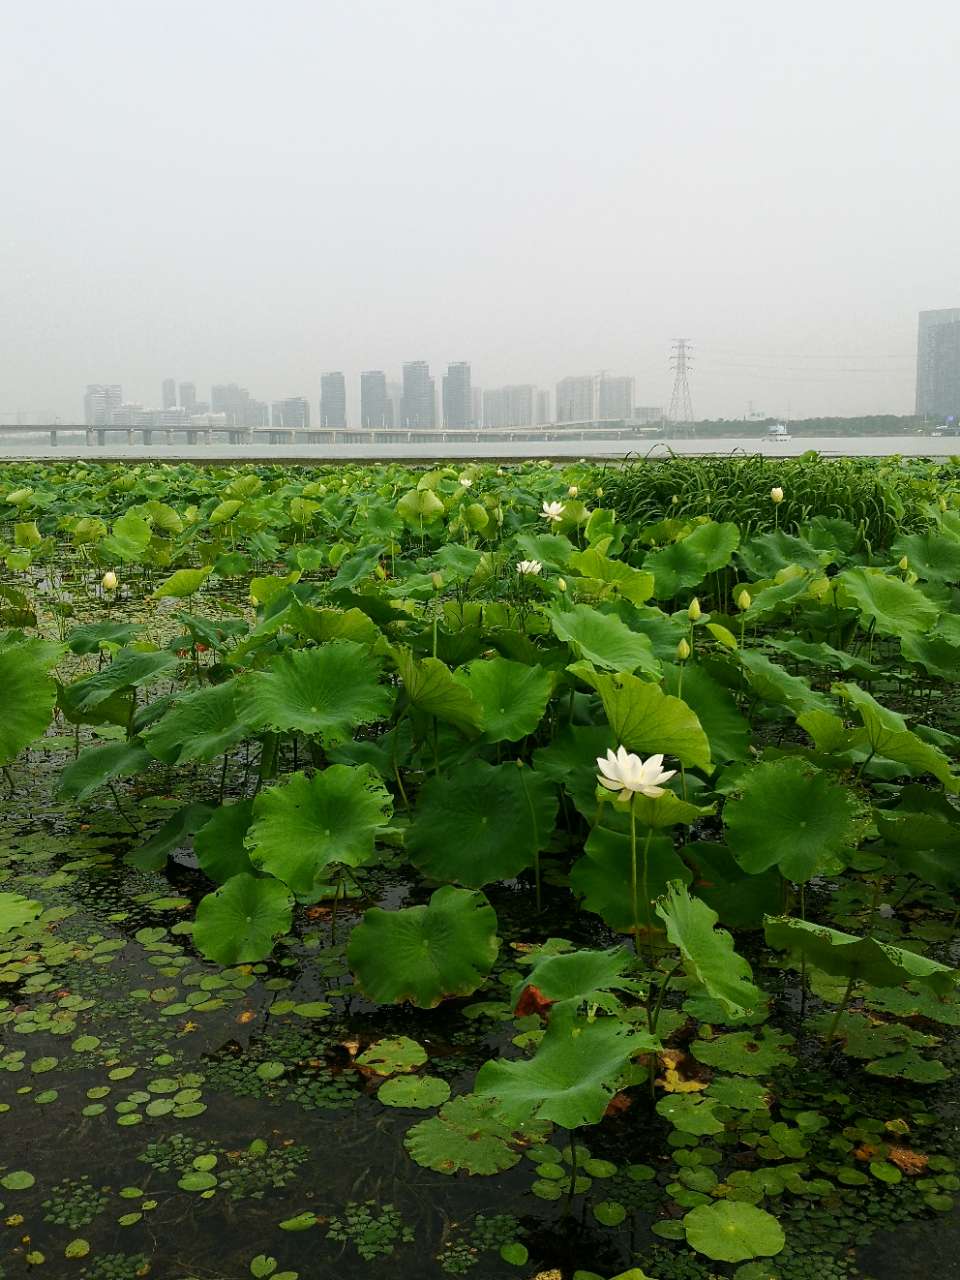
point(292, 414)
point(615, 398)
point(938, 363)
point(100, 403)
point(575, 400)
point(543, 407)
point(419, 405)
point(374, 405)
point(188, 396)
point(238, 407)
point(333, 400)
point(168, 393)
point(476, 406)
point(509, 406)
point(394, 404)
point(457, 400)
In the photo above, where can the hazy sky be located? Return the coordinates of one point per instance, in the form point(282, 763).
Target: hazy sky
point(261, 192)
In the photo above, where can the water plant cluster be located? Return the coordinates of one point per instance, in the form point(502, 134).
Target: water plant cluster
point(584, 853)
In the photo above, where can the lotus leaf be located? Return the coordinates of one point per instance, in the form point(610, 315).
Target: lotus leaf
point(513, 696)
point(425, 953)
point(238, 923)
point(604, 640)
point(708, 953)
point(28, 693)
point(470, 1134)
point(731, 1231)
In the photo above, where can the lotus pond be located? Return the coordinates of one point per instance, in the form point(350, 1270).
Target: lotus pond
point(526, 871)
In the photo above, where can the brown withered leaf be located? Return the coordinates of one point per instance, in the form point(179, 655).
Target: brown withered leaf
point(619, 1103)
point(679, 1072)
point(909, 1162)
point(532, 1000)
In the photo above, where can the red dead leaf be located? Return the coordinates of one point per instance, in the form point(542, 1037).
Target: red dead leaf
point(532, 1000)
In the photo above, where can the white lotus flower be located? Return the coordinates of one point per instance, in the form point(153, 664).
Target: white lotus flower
point(109, 581)
point(573, 490)
point(776, 496)
point(532, 567)
point(465, 481)
point(553, 511)
point(623, 771)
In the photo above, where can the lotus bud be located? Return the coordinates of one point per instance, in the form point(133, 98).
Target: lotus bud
point(903, 563)
point(683, 651)
point(694, 612)
point(109, 581)
point(675, 499)
point(599, 493)
point(562, 584)
point(573, 490)
point(743, 599)
point(942, 504)
point(776, 495)
point(437, 580)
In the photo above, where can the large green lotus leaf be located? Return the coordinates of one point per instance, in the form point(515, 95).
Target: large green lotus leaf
point(219, 843)
point(419, 507)
point(825, 656)
point(741, 900)
point(708, 953)
point(129, 669)
point(356, 566)
point(843, 955)
point(603, 639)
point(553, 550)
point(470, 1135)
point(764, 555)
point(304, 825)
point(179, 827)
point(931, 556)
point(29, 693)
point(578, 975)
point(183, 583)
point(423, 954)
point(772, 684)
point(886, 734)
point(128, 540)
point(513, 696)
point(892, 605)
point(321, 625)
point(16, 911)
point(578, 1067)
point(633, 584)
point(792, 816)
point(481, 823)
point(432, 690)
point(938, 657)
point(687, 562)
point(239, 922)
point(325, 693)
point(645, 719)
point(733, 1231)
point(96, 766)
point(90, 638)
point(728, 732)
point(602, 877)
point(200, 726)
point(777, 598)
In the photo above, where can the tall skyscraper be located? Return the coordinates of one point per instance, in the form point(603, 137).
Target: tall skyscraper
point(188, 396)
point(457, 400)
point(168, 393)
point(543, 407)
point(476, 405)
point(575, 400)
point(100, 403)
point(374, 406)
point(938, 363)
point(333, 400)
point(291, 414)
point(509, 406)
point(615, 398)
point(238, 407)
point(419, 405)
point(394, 404)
